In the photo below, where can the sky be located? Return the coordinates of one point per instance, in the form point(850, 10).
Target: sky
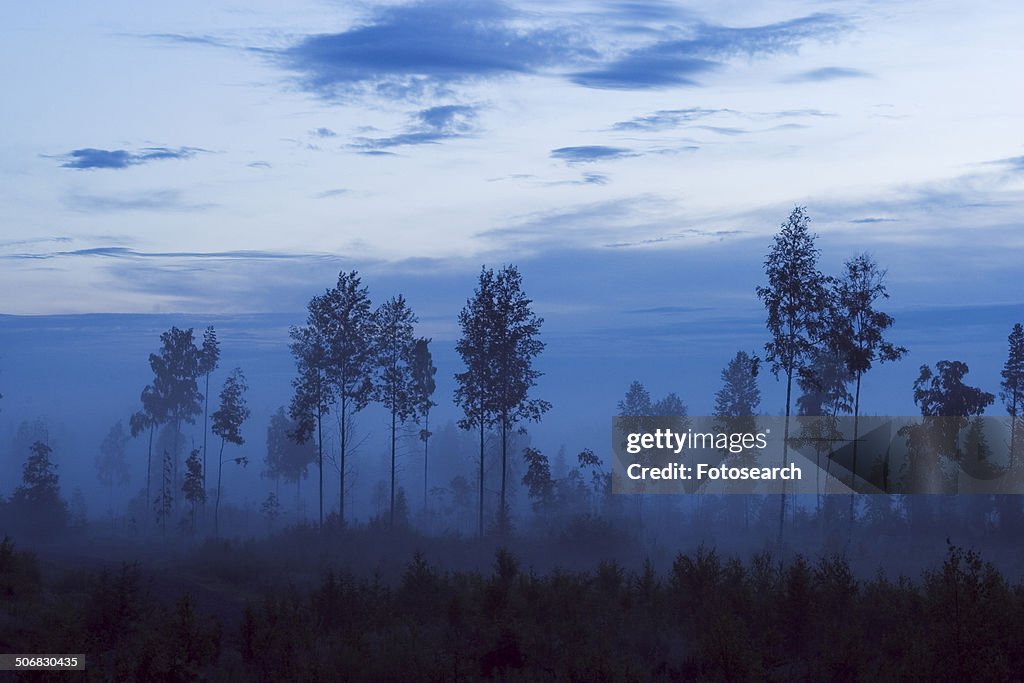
point(632, 158)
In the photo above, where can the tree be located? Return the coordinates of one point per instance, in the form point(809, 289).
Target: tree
point(1012, 394)
point(313, 390)
point(474, 391)
point(175, 383)
point(736, 405)
point(423, 386)
point(37, 499)
point(392, 356)
point(861, 329)
point(345, 312)
point(795, 299)
point(209, 358)
point(538, 480)
point(515, 346)
point(946, 403)
point(111, 466)
point(739, 395)
point(285, 457)
point(637, 402)
point(153, 413)
point(227, 424)
point(194, 488)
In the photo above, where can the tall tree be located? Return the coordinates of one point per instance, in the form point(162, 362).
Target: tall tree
point(1012, 393)
point(209, 358)
point(796, 299)
point(111, 466)
point(423, 386)
point(153, 414)
point(314, 392)
point(862, 330)
point(286, 459)
point(175, 383)
point(227, 424)
point(515, 346)
point(392, 358)
point(348, 337)
point(474, 393)
point(193, 486)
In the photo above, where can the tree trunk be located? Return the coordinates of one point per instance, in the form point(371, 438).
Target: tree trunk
point(341, 449)
point(853, 472)
point(320, 445)
point(426, 444)
point(393, 427)
point(149, 471)
point(504, 473)
point(216, 510)
point(206, 413)
point(481, 473)
point(785, 452)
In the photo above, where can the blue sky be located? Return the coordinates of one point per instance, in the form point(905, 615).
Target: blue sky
point(634, 158)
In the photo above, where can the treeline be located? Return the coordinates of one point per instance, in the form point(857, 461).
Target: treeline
point(705, 618)
point(826, 332)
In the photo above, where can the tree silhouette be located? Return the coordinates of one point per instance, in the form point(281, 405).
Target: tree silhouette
point(227, 424)
point(795, 299)
point(37, 499)
point(392, 357)
point(345, 311)
point(474, 393)
point(861, 329)
point(946, 404)
point(314, 392)
point(153, 413)
point(285, 457)
point(175, 376)
point(423, 386)
point(1012, 394)
point(193, 487)
point(209, 358)
point(515, 346)
point(111, 466)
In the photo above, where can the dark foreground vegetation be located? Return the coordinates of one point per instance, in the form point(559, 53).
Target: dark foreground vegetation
point(702, 617)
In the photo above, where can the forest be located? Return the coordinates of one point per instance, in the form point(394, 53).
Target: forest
point(489, 559)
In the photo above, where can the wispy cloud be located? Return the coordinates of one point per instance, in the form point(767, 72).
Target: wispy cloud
point(330, 194)
point(667, 119)
point(828, 73)
point(410, 49)
point(161, 200)
point(589, 153)
point(428, 127)
point(92, 158)
point(678, 61)
point(127, 253)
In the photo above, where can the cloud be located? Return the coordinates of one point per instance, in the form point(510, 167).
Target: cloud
point(323, 133)
point(664, 119)
point(667, 119)
point(329, 194)
point(407, 50)
point(92, 158)
point(428, 127)
point(678, 61)
point(873, 219)
point(590, 153)
point(161, 200)
point(828, 73)
point(127, 253)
